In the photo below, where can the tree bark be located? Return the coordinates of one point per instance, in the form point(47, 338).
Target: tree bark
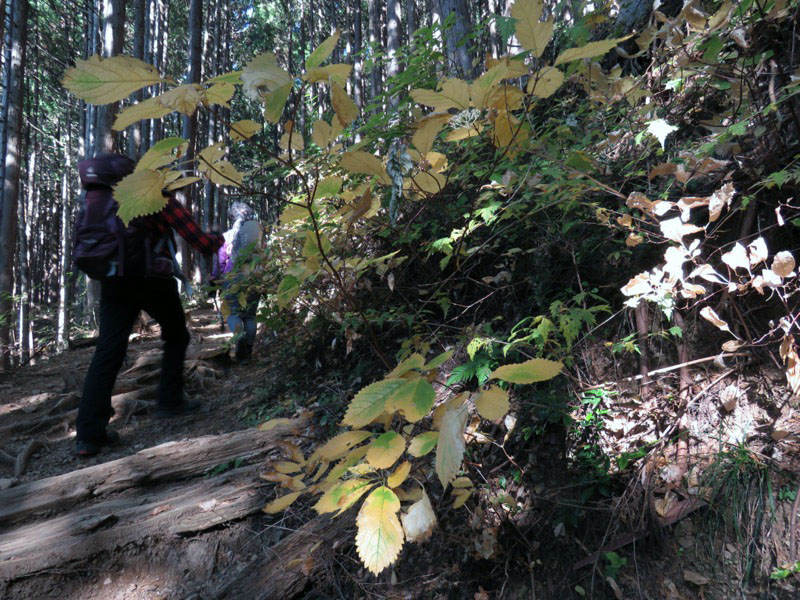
point(8, 215)
point(458, 49)
point(393, 42)
point(113, 40)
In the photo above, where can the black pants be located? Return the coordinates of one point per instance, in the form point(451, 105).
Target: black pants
point(120, 303)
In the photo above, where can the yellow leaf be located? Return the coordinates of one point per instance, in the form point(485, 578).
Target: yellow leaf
point(385, 450)
point(414, 399)
point(281, 503)
point(486, 83)
point(364, 162)
point(427, 130)
point(532, 34)
point(105, 80)
point(220, 94)
point(342, 496)
point(420, 520)
point(246, 128)
point(462, 482)
point(530, 371)
point(146, 109)
point(293, 138)
point(370, 402)
point(505, 97)
point(545, 82)
point(439, 360)
point(275, 102)
point(450, 446)
point(463, 133)
point(184, 98)
point(140, 194)
point(438, 101)
point(457, 91)
point(262, 75)
point(711, 316)
point(380, 535)
point(230, 77)
point(273, 423)
point(210, 155)
point(590, 50)
point(161, 153)
point(507, 130)
point(415, 361)
point(400, 474)
point(346, 109)
point(423, 443)
point(286, 467)
point(352, 458)
point(358, 209)
point(322, 51)
point(338, 73)
point(183, 182)
point(461, 497)
point(321, 133)
point(428, 183)
point(224, 173)
point(293, 212)
point(493, 403)
point(341, 444)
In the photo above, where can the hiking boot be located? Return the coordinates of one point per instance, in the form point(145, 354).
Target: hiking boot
point(86, 448)
point(243, 351)
point(168, 411)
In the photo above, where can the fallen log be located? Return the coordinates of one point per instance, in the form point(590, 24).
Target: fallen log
point(103, 527)
point(170, 461)
point(284, 570)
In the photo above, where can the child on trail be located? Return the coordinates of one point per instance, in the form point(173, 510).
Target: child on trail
point(140, 283)
point(244, 235)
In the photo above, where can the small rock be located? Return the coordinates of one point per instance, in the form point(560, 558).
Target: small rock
point(107, 581)
point(6, 483)
point(695, 577)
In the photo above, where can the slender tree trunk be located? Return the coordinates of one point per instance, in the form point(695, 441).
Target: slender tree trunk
point(459, 51)
point(8, 216)
point(393, 42)
point(411, 19)
point(63, 327)
point(374, 42)
point(358, 60)
point(135, 130)
point(113, 40)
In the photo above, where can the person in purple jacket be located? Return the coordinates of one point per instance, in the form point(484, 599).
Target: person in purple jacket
point(244, 236)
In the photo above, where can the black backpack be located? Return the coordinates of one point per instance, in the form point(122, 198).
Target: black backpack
point(104, 248)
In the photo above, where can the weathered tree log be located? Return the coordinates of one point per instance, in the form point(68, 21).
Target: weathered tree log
point(103, 527)
point(170, 461)
point(285, 569)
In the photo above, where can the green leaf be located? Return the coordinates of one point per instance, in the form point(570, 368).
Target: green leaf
point(530, 371)
point(415, 361)
point(439, 360)
point(328, 187)
point(380, 535)
point(140, 194)
point(342, 496)
point(590, 50)
point(369, 403)
point(423, 443)
point(275, 102)
point(322, 51)
point(414, 399)
point(288, 289)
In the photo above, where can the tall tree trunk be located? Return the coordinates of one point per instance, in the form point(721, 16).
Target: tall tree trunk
point(8, 216)
point(411, 19)
point(393, 42)
point(459, 50)
point(189, 131)
point(135, 130)
point(113, 41)
point(64, 324)
point(358, 59)
point(374, 42)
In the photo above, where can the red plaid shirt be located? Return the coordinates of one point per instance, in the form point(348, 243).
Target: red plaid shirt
point(176, 216)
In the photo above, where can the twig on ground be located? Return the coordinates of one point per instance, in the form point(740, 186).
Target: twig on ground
point(21, 463)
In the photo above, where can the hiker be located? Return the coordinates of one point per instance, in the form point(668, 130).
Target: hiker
point(244, 236)
point(138, 275)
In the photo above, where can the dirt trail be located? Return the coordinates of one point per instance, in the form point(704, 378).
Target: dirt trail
point(167, 513)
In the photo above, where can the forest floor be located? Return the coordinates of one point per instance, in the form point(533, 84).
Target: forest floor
point(174, 510)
